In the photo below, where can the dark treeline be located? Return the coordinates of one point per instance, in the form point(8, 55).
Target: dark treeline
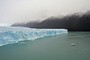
point(74, 22)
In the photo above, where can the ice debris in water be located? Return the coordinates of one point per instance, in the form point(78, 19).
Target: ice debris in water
point(72, 44)
point(9, 35)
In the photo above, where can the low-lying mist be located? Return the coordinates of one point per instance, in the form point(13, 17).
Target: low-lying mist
point(73, 22)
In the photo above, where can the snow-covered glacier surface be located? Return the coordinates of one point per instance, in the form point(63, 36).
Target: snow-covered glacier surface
point(9, 35)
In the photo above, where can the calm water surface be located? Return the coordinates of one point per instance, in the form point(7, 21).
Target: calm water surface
point(50, 48)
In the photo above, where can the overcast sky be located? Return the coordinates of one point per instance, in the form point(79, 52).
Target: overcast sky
point(12, 11)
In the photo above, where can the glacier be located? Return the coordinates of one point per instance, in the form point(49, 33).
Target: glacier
point(9, 35)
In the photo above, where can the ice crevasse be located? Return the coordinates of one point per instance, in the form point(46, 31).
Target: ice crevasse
point(9, 35)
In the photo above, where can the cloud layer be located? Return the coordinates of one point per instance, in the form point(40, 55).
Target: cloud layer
point(12, 11)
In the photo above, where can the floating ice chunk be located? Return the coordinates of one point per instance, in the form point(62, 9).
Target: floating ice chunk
point(72, 44)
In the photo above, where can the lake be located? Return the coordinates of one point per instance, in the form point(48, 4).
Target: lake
point(71, 46)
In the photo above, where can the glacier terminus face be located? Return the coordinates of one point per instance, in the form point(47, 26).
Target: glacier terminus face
point(9, 35)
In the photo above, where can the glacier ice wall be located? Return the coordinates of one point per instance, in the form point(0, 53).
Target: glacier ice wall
point(9, 35)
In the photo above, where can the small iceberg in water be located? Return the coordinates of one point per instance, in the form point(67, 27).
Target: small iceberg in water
point(73, 44)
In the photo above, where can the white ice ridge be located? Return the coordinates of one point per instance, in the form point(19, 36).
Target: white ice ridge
point(9, 35)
